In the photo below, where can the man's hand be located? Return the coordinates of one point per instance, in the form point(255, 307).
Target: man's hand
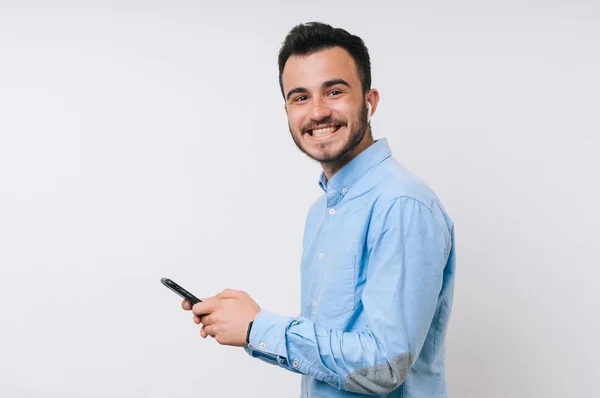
point(225, 316)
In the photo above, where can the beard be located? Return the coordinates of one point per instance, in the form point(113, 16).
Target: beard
point(355, 138)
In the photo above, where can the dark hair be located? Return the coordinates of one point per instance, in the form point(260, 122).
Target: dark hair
point(308, 38)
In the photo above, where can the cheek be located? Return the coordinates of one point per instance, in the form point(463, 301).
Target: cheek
point(343, 112)
point(296, 120)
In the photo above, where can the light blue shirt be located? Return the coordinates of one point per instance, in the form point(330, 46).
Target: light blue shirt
point(377, 287)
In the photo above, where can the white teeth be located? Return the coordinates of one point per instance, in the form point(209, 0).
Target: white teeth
point(321, 132)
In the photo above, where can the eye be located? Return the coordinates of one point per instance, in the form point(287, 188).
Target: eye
point(335, 92)
point(300, 98)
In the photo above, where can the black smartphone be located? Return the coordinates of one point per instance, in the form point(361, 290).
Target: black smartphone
point(180, 291)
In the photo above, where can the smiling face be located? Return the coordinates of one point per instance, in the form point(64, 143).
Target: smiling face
point(326, 108)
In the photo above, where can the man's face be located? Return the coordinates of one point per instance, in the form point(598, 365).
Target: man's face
point(326, 109)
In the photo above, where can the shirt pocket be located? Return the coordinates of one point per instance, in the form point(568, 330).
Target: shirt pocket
point(339, 291)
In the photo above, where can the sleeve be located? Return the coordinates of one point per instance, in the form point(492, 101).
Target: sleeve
point(408, 250)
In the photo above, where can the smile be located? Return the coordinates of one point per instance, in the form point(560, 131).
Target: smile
point(320, 132)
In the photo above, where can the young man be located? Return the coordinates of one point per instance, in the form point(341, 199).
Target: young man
point(378, 258)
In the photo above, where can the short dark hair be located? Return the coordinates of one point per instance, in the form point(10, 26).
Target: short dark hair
point(308, 38)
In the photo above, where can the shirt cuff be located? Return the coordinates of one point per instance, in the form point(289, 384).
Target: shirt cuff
point(268, 333)
point(270, 359)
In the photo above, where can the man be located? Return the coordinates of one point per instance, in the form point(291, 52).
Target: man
point(378, 260)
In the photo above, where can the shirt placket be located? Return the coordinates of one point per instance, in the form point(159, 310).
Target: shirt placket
point(333, 199)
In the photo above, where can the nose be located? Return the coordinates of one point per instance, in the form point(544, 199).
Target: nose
point(319, 110)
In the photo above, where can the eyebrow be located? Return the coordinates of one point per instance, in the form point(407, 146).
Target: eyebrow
point(327, 84)
point(335, 82)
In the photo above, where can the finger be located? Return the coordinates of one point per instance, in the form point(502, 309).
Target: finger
point(205, 307)
point(196, 320)
point(186, 305)
point(206, 320)
point(203, 333)
point(209, 330)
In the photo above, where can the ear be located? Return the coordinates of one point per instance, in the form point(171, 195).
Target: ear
point(372, 99)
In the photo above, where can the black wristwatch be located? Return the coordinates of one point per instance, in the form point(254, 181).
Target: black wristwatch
point(248, 334)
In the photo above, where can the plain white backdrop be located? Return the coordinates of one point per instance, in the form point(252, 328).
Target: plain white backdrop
point(148, 139)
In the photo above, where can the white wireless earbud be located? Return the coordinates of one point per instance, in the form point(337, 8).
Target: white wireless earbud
point(368, 112)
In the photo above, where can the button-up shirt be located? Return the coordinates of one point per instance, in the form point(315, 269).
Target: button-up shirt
point(377, 285)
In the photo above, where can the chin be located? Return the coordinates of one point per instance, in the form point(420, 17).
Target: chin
point(327, 156)
point(328, 151)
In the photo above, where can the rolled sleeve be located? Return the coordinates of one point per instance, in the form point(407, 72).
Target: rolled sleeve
point(267, 340)
point(268, 333)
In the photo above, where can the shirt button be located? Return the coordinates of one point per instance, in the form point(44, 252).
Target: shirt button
point(314, 303)
point(320, 256)
point(295, 364)
point(344, 190)
point(332, 211)
point(262, 345)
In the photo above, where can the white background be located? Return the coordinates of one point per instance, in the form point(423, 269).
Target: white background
point(148, 139)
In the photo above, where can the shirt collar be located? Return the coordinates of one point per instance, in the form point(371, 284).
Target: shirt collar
point(357, 167)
